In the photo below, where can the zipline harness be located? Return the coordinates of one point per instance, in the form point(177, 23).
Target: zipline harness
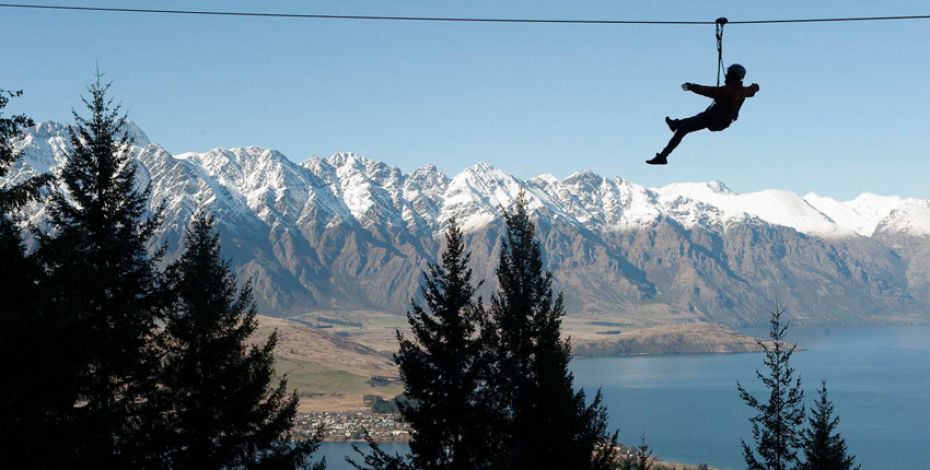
point(719, 24)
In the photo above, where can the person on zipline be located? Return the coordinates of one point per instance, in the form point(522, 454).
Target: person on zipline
point(727, 101)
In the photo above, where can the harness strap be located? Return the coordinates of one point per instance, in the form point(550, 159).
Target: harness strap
point(718, 25)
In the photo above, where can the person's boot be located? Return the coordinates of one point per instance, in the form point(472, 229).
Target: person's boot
point(672, 123)
point(659, 159)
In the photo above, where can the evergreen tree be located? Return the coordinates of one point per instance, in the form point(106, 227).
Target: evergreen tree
point(103, 287)
point(776, 426)
point(440, 365)
point(824, 448)
point(26, 392)
point(222, 408)
point(644, 458)
point(540, 421)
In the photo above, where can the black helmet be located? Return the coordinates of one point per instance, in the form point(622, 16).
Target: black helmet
point(738, 70)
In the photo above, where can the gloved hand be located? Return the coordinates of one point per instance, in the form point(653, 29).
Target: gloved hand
point(686, 86)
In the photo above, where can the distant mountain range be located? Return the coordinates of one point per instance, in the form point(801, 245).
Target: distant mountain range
point(349, 233)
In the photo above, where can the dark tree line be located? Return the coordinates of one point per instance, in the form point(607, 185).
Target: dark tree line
point(109, 361)
point(22, 408)
point(490, 388)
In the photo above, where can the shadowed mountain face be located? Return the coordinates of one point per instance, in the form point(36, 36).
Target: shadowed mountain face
point(350, 233)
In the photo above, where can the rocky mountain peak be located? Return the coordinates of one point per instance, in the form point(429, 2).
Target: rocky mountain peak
point(347, 231)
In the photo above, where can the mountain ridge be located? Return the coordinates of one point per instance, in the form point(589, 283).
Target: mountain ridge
point(350, 232)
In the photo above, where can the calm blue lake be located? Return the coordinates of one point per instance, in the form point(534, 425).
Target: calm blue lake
point(687, 406)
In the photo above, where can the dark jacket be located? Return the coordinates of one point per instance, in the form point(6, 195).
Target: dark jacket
point(728, 100)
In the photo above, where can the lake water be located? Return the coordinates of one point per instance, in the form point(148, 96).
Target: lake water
point(688, 408)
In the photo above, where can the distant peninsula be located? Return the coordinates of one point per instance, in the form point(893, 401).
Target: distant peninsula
point(683, 338)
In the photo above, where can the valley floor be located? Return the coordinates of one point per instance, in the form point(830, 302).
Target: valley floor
point(340, 362)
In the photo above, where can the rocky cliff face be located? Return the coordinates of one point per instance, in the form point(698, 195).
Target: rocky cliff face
point(346, 232)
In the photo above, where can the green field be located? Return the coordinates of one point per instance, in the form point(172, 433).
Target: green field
point(311, 379)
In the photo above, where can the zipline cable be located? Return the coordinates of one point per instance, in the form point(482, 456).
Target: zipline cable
point(449, 19)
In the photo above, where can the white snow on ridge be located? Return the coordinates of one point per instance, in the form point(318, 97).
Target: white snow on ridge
point(348, 186)
point(869, 214)
point(476, 195)
point(866, 215)
point(773, 206)
point(599, 203)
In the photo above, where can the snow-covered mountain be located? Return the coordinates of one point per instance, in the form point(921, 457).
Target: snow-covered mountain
point(347, 232)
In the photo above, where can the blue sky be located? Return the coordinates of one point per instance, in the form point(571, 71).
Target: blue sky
point(843, 107)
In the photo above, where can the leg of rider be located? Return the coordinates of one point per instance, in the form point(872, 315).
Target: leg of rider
point(685, 126)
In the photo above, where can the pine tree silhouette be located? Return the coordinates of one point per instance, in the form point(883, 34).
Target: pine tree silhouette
point(776, 428)
point(542, 422)
point(102, 287)
point(440, 365)
point(644, 458)
point(824, 447)
point(220, 403)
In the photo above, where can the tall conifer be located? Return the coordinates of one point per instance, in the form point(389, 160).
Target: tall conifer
point(102, 285)
point(542, 422)
point(222, 407)
point(439, 364)
point(776, 427)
